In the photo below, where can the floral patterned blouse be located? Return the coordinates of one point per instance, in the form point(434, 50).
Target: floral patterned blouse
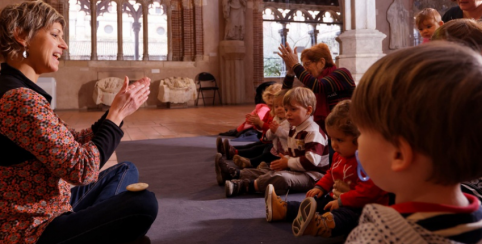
point(41, 157)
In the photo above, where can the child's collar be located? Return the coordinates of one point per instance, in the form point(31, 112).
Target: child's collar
point(305, 124)
point(413, 207)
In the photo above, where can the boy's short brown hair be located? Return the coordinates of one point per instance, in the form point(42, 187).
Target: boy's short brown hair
point(302, 95)
point(340, 119)
point(465, 31)
point(425, 14)
point(431, 96)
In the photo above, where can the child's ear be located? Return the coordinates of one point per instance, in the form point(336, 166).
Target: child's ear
point(440, 23)
point(403, 156)
point(309, 110)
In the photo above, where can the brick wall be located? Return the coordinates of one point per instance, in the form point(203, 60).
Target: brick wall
point(188, 29)
point(258, 74)
point(198, 28)
point(176, 24)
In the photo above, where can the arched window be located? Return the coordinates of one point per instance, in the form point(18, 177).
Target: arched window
point(300, 26)
point(132, 29)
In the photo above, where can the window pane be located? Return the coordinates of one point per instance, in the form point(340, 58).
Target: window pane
point(79, 30)
point(271, 41)
point(132, 33)
point(328, 34)
point(157, 32)
point(107, 31)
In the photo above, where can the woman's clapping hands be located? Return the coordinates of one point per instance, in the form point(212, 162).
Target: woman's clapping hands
point(129, 99)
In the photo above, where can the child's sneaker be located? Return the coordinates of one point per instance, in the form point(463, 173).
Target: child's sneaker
point(220, 145)
point(236, 187)
point(223, 170)
point(309, 222)
point(275, 207)
point(229, 150)
point(263, 165)
point(242, 162)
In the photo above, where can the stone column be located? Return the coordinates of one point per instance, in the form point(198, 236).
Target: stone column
point(284, 34)
point(232, 83)
point(313, 35)
point(145, 29)
point(360, 42)
point(137, 28)
point(93, 23)
point(120, 42)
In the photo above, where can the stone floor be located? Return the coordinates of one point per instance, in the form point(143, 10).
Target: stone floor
point(166, 123)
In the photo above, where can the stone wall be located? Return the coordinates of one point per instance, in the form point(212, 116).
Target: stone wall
point(76, 79)
point(198, 28)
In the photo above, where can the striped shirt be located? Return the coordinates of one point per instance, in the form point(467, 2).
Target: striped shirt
point(308, 148)
point(336, 86)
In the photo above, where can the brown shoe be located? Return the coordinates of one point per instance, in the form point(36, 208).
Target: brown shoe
point(263, 165)
point(309, 222)
point(229, 150)
point(236, 187)
point(242, 162)
point(219, 145)
point(223, 170)
point(275, 207)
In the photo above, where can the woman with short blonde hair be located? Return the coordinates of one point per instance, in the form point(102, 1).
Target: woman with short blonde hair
point(42, 157)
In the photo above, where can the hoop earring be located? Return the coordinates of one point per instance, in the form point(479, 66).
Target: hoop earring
point(25, 53)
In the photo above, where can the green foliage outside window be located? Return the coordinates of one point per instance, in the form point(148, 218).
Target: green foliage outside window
point(272, 68)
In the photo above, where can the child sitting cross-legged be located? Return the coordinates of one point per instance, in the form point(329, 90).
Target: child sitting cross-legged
point(420, 117)
point(305, 162)
point(333, 206)
point(277, 134)
point(261, 147)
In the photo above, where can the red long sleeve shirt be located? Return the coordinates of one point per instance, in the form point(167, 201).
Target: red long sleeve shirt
point(360, 193)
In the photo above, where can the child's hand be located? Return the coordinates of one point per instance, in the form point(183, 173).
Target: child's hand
point(314, 192)
point(340, 187)
point(254, 119)
point(273, 126)
point(332, 205)
point(280, 164)
point(247, 116)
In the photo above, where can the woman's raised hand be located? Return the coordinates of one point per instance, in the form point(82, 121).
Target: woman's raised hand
point(289, 56)
point(129, 99)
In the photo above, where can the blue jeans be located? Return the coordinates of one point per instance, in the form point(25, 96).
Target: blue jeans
point(104, 212)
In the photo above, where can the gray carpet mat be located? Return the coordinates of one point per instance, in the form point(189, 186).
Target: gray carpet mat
point(192, 207)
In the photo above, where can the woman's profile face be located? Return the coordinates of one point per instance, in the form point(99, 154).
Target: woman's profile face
point(314, 68)
point(45, 49)
point(469, 5)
